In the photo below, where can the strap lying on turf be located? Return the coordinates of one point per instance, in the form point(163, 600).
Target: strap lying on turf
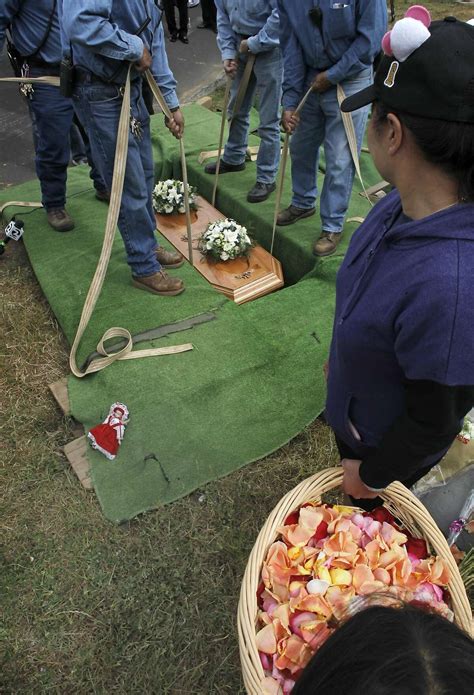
point(154, 334)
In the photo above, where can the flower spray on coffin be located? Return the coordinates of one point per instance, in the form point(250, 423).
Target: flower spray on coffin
point(168, 199)
point(225, 240)
point(326, 563)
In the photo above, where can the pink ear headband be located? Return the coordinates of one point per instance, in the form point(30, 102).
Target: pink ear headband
point(408, 34)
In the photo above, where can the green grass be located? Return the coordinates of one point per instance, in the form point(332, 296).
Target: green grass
point(88, 607)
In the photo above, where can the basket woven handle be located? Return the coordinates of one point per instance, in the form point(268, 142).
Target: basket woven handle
point(397, 498)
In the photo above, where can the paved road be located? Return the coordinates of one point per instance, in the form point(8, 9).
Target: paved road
point(196, 66)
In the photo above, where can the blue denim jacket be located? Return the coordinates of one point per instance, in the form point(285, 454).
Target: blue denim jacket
point(255, 18)
point(29, 20)
point(347, 42)
point(102, 35)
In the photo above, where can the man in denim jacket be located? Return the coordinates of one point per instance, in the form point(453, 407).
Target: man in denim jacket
point(244, 28)
point(325, 43)
point(36, 42)
point(104, 37)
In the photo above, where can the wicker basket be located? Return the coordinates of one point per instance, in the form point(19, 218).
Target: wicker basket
point(400, 501)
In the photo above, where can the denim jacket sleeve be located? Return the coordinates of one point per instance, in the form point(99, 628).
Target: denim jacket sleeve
point(161, 71)
point(226, 38)
point(371, 24)
point(8, 9)
point(88, 24)
point(294, 73)
point(269, 35)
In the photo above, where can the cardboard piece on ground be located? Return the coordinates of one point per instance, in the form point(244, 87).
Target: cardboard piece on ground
point(252, 153)
point(377, 191)
point(76, 453)
point(61, 395)
point(242, 279)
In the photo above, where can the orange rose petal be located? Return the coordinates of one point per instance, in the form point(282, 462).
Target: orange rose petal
point(361, 575)
point(381, 575)
point(297, 651)
point(271, 687)
point(315, 604)
point(266, 640)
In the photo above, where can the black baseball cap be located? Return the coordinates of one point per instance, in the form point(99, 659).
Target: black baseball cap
point(435, 81)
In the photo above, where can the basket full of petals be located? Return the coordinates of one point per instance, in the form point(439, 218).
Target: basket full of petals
point(314, 563)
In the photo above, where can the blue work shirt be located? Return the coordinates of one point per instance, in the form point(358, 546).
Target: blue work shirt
point(257, 19)
point(103, 36)
point(29, 20)
point(349, 39)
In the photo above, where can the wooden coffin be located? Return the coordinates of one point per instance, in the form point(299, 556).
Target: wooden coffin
point(242, 279)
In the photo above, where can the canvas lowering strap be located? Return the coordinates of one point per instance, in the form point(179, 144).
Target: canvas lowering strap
point(244, 83)
point(54, 81)
point(121, 151)
point(184, 170)
point(51, 80)
point(225, 106)
point(351, 139)
point(243, 86)
point(281, 175)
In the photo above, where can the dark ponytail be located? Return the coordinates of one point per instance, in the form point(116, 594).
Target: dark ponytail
point(447, 144)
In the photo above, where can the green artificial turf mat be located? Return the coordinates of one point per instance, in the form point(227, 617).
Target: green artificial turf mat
point(254, 378)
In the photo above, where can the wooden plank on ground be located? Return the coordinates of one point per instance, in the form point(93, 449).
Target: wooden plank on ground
point(76, 453)
point(377, 191)
point(61, 395)
point(242, 279)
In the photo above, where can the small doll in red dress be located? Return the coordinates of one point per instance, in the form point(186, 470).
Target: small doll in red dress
point(108, 436)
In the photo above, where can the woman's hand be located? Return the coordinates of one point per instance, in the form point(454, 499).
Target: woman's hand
point(352, 483)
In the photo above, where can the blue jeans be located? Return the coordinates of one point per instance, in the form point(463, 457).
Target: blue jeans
point(80, 149)
point(51, 115)
point(266, 80)
point(321, 124)
point(98, 106)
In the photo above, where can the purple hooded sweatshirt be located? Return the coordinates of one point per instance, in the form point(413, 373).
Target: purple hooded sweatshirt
point(404, 311)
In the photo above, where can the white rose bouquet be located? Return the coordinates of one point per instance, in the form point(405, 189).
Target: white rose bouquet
point(168, 197)
point(225, 240)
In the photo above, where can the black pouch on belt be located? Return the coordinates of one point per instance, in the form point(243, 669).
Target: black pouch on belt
point(66, 77)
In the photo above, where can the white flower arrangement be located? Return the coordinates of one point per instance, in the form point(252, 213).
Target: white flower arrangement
point(168, 197)
point(225, 240)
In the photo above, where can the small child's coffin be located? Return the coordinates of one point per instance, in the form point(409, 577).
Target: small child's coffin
point(241, 279)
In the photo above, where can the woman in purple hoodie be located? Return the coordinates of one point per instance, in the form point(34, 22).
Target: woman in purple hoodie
point(401, 367)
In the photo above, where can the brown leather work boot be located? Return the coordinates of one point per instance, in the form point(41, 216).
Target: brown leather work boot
point(327, 243)
point(60, 220)
point(292, 214)
point(159, 283)
point(169, 259)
